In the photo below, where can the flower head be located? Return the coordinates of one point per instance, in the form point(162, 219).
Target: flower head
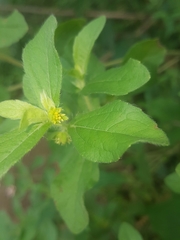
point(55, 114)
point(62, 138)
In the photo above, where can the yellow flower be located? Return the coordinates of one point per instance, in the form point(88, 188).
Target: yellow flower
point(54, 113)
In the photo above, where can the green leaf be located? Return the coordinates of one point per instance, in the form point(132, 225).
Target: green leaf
point(42, 65)
point(173, 182)
point(84, 42)
point(105, 134)
point(15, 144)
point(12, 29)
point(119, 81)
point(76, 176)
point(127, 232)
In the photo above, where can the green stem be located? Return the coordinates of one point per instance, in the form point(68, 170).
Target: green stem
point(168, 64)
point(173, 52)
point(10, 60)
point(80, 84)
point(88, 103)
point(113, 62)
point(14, 87)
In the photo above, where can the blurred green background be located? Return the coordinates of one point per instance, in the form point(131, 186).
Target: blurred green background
point(132, 189)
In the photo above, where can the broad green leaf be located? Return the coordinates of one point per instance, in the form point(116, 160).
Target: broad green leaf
point(119, 81)
point(127, 232)
point(173, 182)
point(105, 134)
point(16, 109)
point(42, 65)
point(84, 42)
point(149, 52)
point(76, 176)
point(12, 29)
point(16, 143)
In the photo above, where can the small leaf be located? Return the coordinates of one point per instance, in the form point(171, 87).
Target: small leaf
point(76, 176)
point(33, 115)
point(119, 81)
point(84, 42)
point(178, 169)
point(127, 232)
point(66, 31)
point(105, 134)
point(42, 65)
point(149, 52)
point(12, 29)
point(16, 109)
point(173, 182)
point(15, 144)
point(13, 109)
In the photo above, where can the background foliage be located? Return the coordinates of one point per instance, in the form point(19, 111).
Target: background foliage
point(132, 189)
